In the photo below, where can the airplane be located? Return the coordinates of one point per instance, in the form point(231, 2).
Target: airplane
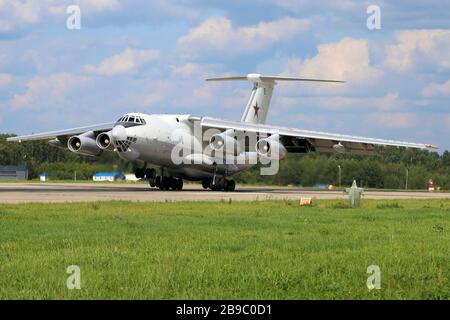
point(217, 148)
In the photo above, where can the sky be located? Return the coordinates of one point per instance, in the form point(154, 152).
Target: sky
point(153, 57)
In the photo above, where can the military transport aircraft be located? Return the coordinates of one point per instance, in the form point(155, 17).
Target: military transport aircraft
point(215, 148)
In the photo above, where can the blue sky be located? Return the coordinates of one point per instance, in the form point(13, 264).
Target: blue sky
point(153, 56)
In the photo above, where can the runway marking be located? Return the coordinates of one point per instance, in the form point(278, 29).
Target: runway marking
point(86, 192)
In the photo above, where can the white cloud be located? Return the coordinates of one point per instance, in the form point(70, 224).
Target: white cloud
point(346, 60)
point(218, 34)
point(303, 5)
point(100, 5)
point(389, 101)
point(148, 93)
point(394, 120)
point(186, 70)
point(436, 89)
point(48, 90)
point(5, 79)
point(416, 47)
point(127, 62)
point(16, 14)
point(196, 70)
point(86, 6)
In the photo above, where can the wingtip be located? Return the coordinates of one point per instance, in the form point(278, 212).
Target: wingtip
point(431, 146)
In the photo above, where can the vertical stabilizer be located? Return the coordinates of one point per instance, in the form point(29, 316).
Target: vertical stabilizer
point(259, 102)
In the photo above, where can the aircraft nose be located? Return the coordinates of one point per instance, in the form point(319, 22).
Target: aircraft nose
point(119, 133)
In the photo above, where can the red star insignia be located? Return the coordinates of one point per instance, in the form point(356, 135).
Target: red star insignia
point(256, 108)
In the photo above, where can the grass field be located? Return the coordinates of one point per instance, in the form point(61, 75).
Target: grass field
point(245, 250)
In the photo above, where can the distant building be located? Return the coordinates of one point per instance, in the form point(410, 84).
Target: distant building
point(321, 186)
point(108, 176)
point(13, 173)
point(131, 177)
point(43, 177)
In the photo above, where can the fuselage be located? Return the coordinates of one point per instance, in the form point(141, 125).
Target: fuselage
point(154, 139)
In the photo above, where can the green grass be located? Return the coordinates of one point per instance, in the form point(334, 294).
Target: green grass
point(245, 250)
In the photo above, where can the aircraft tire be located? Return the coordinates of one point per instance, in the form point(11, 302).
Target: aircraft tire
point(230, 185)
point(158, 182)
point(139, 173)
point(179, 183)
point(150, 174)
point(165, 183)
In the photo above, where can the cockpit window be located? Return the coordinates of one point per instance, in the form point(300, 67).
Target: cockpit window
point(132, 119)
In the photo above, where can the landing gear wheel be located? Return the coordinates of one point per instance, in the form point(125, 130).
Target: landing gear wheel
point(206, 183)
point(230, 185)
point(213, 186)
point(150, 174)
point(152, 183)
point(158, 182)
point(139, 173)
point(179, 184)
point(173, 183)
point(165, 183)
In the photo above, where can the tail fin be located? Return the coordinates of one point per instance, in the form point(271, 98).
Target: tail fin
point(259, 102)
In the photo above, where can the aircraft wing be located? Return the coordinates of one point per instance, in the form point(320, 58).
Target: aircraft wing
point(62, 133)
point(301, 141)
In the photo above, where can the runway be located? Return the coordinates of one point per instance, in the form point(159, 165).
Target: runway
point(85, 192)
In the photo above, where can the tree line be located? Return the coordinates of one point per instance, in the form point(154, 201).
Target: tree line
point(388, 168)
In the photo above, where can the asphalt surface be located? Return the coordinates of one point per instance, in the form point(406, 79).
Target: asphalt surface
point(85, 192)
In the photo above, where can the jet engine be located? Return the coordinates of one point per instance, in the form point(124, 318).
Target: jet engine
point(225, 140)
point(271, 147)
point(104, 141)
point(84, 144)
point(339, 147)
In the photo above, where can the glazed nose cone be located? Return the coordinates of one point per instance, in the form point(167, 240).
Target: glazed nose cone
point(119, 133)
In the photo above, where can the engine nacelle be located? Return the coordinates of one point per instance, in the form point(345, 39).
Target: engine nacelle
point(104, 141)
point(57, 144)
point(339, 147)
point(271, 148)
point(225, 140)
point(84, 144)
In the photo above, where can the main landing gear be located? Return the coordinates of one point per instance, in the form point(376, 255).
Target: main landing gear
point(218, 184)
point(161, 182)
point(168, 183)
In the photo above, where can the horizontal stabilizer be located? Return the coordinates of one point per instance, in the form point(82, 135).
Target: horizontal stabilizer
point(254, 77)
